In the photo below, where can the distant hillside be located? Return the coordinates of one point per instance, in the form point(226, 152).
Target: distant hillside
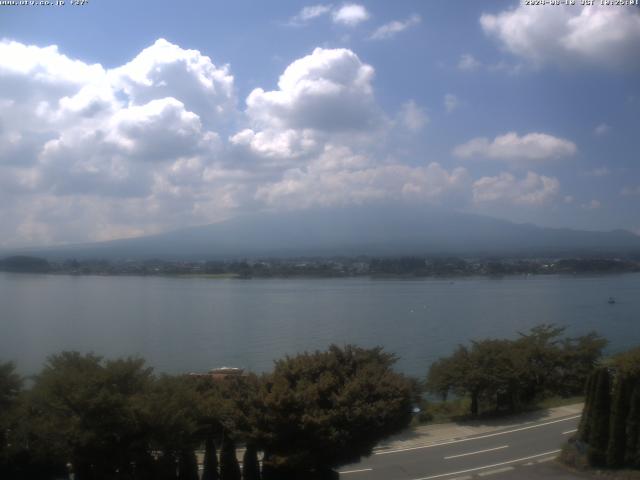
point(357, 231)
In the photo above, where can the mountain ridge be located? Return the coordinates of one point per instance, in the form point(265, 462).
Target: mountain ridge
point(355, 231)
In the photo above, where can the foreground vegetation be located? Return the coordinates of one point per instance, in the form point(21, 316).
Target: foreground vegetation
point(609, 432)
point(115, 419)
point(500, 375)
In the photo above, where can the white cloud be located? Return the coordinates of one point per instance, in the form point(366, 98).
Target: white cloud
point(90, 153)
point(592, 205)
point(310, 12)
point(350, 14)
point(593, 35)
point(327, 90)
point(468, 63)
point(533, 190)
point(166, 70)
point(318, 186)
point(391, 29)
point(598, 172)
point(512, 147)
point(630, 191)
point(451, 102)
point(602, 129)
point(412, 116)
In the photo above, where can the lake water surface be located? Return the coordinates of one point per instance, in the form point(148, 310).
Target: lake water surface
point(192, 324)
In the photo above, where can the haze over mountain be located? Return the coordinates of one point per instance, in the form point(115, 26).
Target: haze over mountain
point(388, 230)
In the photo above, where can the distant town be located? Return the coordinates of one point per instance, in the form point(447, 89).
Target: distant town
point(406, 266)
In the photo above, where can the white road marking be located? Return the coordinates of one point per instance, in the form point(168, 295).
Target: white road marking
point(570, 431)
point(548, 459)
point(387, 452)
point(497, 470)
point(356, 471)
point(488, 466)
point(474, 453)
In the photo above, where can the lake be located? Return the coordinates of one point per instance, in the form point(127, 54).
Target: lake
point(193, 324)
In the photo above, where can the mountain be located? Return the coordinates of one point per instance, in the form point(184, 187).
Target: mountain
point(356, 231)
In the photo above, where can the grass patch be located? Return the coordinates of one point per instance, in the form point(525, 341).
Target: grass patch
point(456, 410)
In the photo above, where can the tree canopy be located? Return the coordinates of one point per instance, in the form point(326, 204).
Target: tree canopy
point(325, 409)
point(509, 374)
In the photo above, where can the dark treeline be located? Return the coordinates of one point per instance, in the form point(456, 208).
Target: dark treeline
point(327, 267)
point(509, 375)
point(609, 433)
point(115, 419)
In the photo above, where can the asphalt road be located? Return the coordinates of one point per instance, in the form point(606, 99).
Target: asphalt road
point(523, 448)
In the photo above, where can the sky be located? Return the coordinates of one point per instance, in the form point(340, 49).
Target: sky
point(120, 119)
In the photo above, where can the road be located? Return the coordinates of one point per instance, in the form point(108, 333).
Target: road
point(522, 448)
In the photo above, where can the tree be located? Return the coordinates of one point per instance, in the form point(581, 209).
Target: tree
point(210, 470)
point(622, 390)
point(586, 420)
point(229, 468)
point(632, 450)
point(86, 411)
point(187, 465)
point(329, 408)
point(250, 465)
point(599, 429)
point(510, 374)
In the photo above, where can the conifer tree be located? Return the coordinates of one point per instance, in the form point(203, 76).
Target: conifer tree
point(617, 429)
point(229, 468)
point(632, 451)
point(187, 465)
point(599, 428)
point(210, 471)
point(587, 411)
point(250, 465)
point(268, 472)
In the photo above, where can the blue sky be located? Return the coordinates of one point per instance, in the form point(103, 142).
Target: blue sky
point(151, 116)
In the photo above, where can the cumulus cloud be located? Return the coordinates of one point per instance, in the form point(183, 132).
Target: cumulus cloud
point(391, 29)
point(596, 35)
point(598, 172)
point(330, 182)
point(601, 129)
point(165, 69)
point(592, 205)
point(310, 12)
point(630, 191)
point(512, 147)
point(328, 90)
point(468, 63)
point(158, 143)
point(413, 117)
point(451, 102)
point(350, 15)
point(532, 190)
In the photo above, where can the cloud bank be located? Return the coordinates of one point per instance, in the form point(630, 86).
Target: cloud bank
point(599, 36)
point(162, 142)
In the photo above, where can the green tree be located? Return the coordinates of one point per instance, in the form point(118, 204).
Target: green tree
point(187, 465)
point(329, 408)
point(586, 420)
point(510, 374)
point(87, 411)
point(622, 390)
point(210, 470)
point(632, 450)
point(229, 468)
point(250, 465)
point(599, 430)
